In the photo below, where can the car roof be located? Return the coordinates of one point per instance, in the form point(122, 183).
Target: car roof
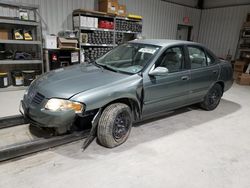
point(163, 42)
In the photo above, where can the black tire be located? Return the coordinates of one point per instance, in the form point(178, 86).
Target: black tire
point(60, 131)
point(213, 97)
point(114, 125)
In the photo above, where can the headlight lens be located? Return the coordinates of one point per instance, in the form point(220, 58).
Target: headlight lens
point(61, 105)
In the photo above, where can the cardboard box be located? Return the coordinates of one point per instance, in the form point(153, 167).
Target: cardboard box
point(236, 75)
point(67, 43)
point(109, 6)
point(4, 35)
point(50, 42)
point(122, 11)
point(239, 66)
point(244, 79)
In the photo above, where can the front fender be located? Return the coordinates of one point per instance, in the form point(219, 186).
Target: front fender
point(101, 96)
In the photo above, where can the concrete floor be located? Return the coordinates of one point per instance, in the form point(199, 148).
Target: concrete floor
point(188, 148)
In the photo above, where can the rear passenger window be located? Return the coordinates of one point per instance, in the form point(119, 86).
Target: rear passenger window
point(210, 59)
point(197, 57)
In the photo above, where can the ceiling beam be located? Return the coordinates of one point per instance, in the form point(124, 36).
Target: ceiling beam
point(177, 3)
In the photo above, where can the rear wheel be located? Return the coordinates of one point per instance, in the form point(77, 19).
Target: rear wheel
point(213, 97)
point(114, 125)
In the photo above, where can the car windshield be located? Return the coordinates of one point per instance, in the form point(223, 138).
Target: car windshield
point(128, 58)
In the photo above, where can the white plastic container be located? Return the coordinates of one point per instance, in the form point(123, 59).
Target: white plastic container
point(50, 42)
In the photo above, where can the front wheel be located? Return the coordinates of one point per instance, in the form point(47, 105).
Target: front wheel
point(114, 125)
point(213, 97)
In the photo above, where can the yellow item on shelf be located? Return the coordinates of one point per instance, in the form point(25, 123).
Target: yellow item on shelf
point(18, 35)
point(133, 16)
point(27, 36)
point(3, 74)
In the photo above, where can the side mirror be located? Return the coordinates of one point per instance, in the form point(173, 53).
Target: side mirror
point(159, 71)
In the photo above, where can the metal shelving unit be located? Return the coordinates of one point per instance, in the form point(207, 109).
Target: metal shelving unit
point(244, 50)
point(63, 56)
point(20, 42)
point(98, 45)
point(15, 62)
point(18, 22)
point(129, 32)
point(9, 20)
point(242, 41)
point(243, 46)
point(95, 29)
point(126, 19)
point(86, 47)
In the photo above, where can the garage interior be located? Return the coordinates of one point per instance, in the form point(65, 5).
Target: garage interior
point(187, 147)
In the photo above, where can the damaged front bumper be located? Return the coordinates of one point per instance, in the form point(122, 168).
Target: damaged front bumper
point(61, 120)
point(41, 117)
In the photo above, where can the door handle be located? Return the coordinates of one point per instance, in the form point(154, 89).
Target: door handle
point(185, 78)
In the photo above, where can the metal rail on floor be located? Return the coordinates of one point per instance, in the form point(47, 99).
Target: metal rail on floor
point(11, 121)
point(21, 149)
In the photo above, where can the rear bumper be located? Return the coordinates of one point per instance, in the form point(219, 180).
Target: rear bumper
point(45, 118)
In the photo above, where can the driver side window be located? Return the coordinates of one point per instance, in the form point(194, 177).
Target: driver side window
point(172, 59)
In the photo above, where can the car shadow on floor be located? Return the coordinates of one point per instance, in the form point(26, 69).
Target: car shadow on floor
point(155, 128)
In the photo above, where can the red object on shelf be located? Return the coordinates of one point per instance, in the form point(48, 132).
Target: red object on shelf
point(54, 57)
point(111, 25)
point(102, 24)
point(106, 24)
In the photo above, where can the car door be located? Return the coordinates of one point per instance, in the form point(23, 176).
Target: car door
point(165, 92)
point(204, 72)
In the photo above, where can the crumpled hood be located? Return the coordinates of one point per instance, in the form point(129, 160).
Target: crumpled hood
point(67, 82)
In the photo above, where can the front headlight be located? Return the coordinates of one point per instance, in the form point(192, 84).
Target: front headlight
point(61, 105)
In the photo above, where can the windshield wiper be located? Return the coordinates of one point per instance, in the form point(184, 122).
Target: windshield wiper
point(96, 64)
point(110, 68)
point(105, 67)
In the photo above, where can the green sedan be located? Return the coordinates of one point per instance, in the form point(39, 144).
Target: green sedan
point(132, 82)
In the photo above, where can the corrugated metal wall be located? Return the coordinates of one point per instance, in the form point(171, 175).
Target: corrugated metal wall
point(160, 18)
point(220, 28)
